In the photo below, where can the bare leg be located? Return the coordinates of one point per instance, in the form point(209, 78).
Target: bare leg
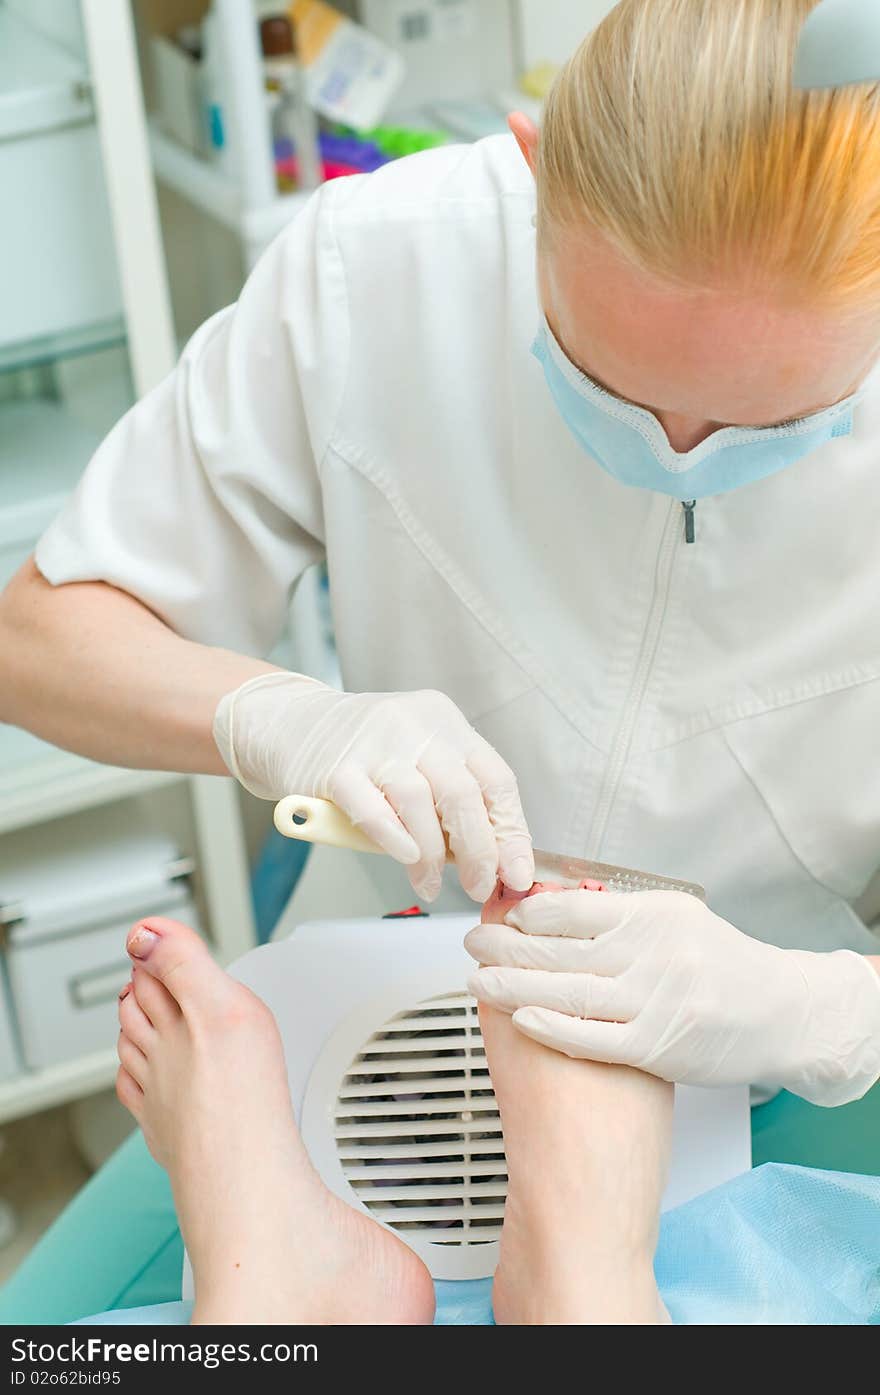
point(587, 1151)
point(203, 1073)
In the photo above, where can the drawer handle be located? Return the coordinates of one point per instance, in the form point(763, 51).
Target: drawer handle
point(99, 986)
point(11, 914)
point(180, 869)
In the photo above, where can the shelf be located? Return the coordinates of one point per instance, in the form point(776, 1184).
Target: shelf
point(202, 184)
point(43, 451)
point(71, 343)
point(39, 782)
point(42, 85)
point(43, 1089)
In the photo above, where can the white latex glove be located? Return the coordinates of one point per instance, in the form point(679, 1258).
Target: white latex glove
point(654, 979)
point(404, 767)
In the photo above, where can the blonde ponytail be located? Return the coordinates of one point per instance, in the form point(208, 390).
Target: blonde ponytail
point(675, 130)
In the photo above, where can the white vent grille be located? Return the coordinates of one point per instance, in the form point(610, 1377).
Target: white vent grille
point(417, 1129)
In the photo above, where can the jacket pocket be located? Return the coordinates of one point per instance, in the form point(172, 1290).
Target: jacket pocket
point(816, 766)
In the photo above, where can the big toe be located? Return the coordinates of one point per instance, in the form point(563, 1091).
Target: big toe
point(178, 957)
point(499, 903)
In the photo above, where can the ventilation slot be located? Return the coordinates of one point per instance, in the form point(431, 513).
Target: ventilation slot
point(417, 1129)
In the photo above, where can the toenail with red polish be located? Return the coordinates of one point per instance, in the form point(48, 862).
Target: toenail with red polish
point(141, 941)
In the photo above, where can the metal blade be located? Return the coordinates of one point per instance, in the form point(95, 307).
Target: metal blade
point(558, 867)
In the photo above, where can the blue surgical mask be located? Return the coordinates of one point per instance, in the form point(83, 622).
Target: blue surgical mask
point(630, 443)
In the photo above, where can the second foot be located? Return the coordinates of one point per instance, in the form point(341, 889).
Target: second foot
point(587, 1150)
point(203, 1073)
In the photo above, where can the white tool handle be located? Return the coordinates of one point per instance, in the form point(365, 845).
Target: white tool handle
point(314, 820)
point(320, 821)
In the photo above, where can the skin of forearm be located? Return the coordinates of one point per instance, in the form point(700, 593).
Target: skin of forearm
point(91, 669)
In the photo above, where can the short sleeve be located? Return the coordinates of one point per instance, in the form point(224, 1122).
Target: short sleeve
point(204, 502)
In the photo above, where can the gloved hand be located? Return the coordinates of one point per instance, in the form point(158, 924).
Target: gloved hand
point(654, 979)
point(404, 767)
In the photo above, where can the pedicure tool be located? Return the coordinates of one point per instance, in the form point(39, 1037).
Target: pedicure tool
point(321, 822)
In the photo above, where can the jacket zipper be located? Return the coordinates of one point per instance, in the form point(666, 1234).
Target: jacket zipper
point(690, 526)
point(632, 707)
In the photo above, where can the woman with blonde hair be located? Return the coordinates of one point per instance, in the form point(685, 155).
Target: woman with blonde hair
point(587, 426)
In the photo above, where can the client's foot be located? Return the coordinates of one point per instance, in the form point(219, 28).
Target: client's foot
point(587, 1149)
point(203, 1073)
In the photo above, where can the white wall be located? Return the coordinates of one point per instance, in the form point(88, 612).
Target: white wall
point(462, 49)
point(552, 29)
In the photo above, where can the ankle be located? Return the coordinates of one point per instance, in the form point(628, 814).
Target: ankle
point(614, 1300)
point(546, 1231)
point(583, 1288)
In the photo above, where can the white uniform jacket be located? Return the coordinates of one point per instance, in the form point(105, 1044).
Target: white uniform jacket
point(711, 711)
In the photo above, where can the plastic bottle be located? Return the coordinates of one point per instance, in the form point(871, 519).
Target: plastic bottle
point(294, 121)
point(212, 91)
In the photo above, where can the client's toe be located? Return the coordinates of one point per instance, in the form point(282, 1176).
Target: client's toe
point(176, 957)
point(134, 1021)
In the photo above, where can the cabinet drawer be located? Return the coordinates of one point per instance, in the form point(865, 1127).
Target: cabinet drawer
point(65, 989)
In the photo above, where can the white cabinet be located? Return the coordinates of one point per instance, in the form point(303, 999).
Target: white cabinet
point(57, 269)
point(85, 328)
point(70, 896)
